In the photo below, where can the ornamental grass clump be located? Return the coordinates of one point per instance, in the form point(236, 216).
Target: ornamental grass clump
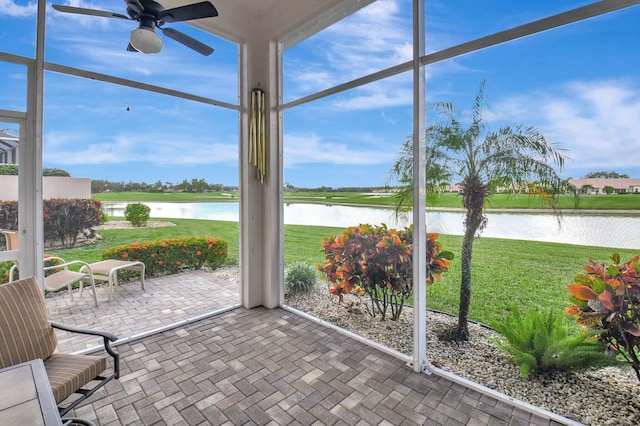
point(378, 262)
point(300, 278)
point(539, 341)
point(607, 299)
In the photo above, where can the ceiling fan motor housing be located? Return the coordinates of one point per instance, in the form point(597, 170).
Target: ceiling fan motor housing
point(149, 7)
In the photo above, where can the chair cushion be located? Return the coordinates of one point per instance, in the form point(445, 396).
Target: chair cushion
point(68, 372)
point(25, 332)
point(61, 279)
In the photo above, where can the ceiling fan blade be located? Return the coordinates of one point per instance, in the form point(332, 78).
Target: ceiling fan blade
point(90, 12)
point(192, 11)
point(188, 41)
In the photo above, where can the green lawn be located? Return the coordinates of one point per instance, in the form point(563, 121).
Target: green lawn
point(533, 275)
point(498, 201)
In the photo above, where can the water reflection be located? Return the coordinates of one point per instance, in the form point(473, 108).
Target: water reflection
point(602, 231)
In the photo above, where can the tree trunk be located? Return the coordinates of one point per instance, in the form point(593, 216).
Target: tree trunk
point(473, 199)
point(466, 255)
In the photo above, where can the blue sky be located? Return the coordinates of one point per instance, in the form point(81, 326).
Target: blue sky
point(579, 85)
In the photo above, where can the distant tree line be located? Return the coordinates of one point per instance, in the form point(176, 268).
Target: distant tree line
point(194, 185)
point(606, 175)
point(290, 188)
point(201, 185)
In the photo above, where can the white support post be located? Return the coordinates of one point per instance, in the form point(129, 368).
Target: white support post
point(419, 203)
point(30, 210)
point(261, 209)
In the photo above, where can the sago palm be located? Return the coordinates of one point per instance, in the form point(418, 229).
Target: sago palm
point(511, 159)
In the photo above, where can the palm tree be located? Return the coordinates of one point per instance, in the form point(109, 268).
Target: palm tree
point(512, 159)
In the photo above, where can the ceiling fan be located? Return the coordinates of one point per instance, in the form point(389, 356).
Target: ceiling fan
point(152, 15)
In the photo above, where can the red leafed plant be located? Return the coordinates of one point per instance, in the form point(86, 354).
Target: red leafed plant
point(377, 261)
point(607, 298)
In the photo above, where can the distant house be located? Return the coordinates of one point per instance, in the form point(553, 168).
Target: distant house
point(597, 185)
point(8, 148)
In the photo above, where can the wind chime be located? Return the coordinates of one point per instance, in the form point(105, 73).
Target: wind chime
point(258, 135)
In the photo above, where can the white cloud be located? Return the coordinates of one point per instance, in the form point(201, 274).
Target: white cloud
point(310, 78)
point(374, 38)
point(375, 97)
point(597, 121)
point(157, 149)
point(387, 119)
point(10, 8)
point(310, 148)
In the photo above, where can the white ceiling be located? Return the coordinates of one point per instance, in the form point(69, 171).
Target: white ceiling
point(284, 20)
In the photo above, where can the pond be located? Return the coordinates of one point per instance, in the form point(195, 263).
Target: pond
point(589, 230)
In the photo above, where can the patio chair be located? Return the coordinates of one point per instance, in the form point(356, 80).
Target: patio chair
point(61, 276)
point(27, 334)
point(11, 239)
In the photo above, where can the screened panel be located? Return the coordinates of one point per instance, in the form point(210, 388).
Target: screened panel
point(136, 135)
point(100, 45)
point(18, 28)
point(577, 87)
point(374, 38)
point(13, 86)
point(471, 19)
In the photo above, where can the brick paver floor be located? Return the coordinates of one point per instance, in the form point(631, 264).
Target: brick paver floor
point(166, 300)
point(262, 366)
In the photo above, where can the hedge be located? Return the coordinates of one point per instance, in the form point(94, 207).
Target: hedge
point(173, 255)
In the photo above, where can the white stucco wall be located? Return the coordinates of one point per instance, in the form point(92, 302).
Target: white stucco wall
point(53, 187)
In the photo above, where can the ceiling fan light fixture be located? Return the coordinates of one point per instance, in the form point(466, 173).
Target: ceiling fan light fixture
point(145, 40)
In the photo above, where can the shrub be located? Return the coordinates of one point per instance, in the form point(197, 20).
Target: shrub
point(4, 271)
point(607, 299)
point(541, 342)
point(137, 214)
point(65, 219)
point(173, 255)
point(5, 268)
point(9, 169)
point(12, 169)
point(300, 278)
point(50, 171)
point(9, 215)
point(377, 261)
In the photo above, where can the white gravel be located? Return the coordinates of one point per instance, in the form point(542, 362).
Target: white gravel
point(125, 224)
